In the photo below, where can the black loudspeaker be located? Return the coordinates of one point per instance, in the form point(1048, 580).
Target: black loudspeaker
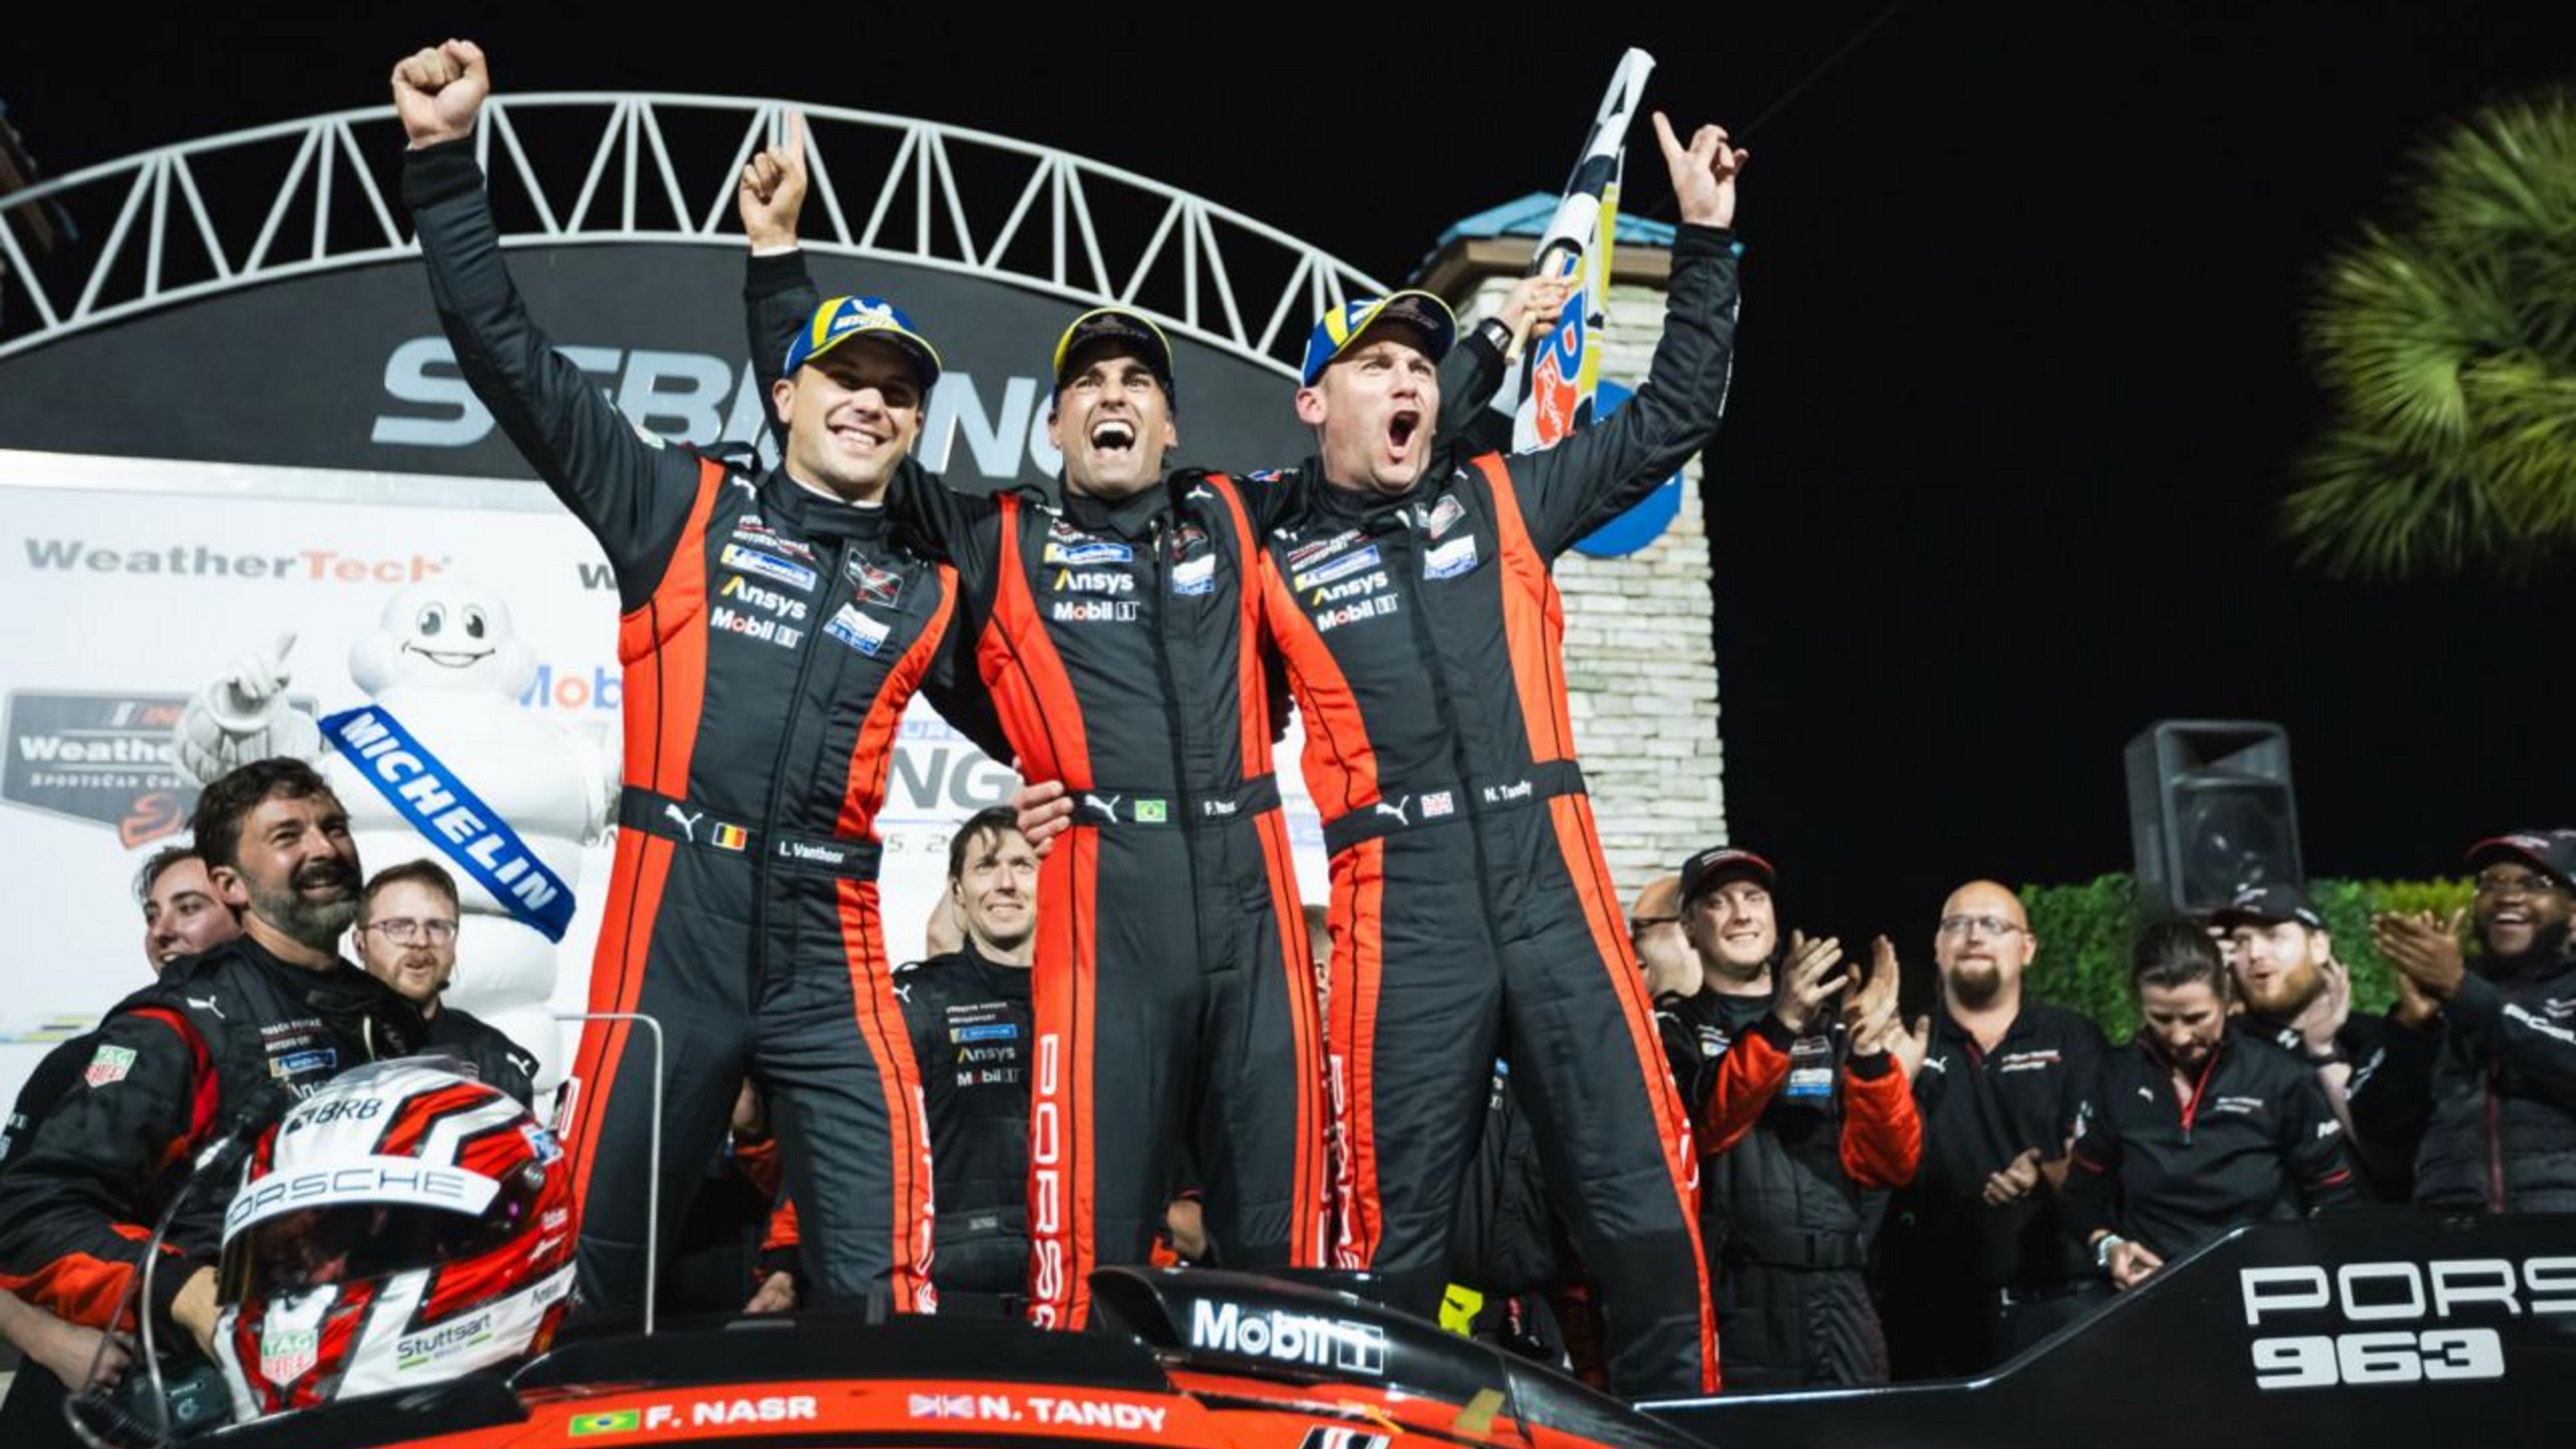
point(2210, 813)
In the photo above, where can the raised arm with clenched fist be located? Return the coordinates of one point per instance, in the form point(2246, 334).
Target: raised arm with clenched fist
point(440, 89)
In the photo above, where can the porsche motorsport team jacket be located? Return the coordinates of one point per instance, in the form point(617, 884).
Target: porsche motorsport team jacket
point(2253, 1139)
point(221, 1044)
point(2503, 1132)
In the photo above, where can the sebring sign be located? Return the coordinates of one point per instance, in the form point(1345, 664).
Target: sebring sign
point(347, 369)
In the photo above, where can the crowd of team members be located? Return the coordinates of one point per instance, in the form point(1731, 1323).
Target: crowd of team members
point(1131, 1051)
point(1972, 1182)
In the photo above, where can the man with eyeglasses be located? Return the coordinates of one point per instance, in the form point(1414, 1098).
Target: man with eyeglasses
point(1976, 1262)
point(406, 937)
point(1655, 933)
point(2502, 1134)
point(1803, 1118)
point(2297, 996)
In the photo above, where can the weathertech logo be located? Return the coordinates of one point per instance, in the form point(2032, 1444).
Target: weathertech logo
point(197, 561)
point(1298, 1338)
point(104, 758)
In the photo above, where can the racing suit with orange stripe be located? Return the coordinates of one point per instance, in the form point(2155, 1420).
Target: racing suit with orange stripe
point(1171, 991)
point(771, 638)
point(1473, 914)
point(1123, 646)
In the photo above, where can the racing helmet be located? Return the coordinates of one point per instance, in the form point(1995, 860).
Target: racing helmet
point(404, 1225)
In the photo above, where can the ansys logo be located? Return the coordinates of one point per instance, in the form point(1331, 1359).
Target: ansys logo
point(99, 757)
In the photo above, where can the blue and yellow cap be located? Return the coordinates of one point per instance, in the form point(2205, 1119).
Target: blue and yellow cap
point(1341, 326)
point(841, 318)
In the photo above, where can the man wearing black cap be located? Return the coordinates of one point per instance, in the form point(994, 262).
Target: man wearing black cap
point(1118, 628)
point(2298, 996)
point(1804, 1118)
point(774, 630)
point(2502, 1137)
point(1976, 1264)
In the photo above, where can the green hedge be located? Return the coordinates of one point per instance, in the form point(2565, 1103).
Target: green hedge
point(2084, 933)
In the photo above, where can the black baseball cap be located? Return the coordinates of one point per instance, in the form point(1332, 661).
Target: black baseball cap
point(2551, 852)
point(1130, 329)
point(1717, 864)
point(2269, 905)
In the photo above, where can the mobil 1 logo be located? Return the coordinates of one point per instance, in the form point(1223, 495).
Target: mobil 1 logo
point(2398, 1322)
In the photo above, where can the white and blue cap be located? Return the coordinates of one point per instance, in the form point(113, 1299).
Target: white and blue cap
point(841, 318)
point(1342, 326)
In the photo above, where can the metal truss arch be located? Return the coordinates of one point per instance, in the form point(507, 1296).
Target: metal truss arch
point(579, 167)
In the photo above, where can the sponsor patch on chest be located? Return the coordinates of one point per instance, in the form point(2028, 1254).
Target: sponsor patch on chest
point(1080, 552)
point(1093, 581)
point(768, 566)
point(742, 590)
point(1443, 516)
point(1448, 560)
point(750, 529)
point(857, 630)
point(882, 587)
point(727, 619)
point(2030, 1061)
point(1358, 560)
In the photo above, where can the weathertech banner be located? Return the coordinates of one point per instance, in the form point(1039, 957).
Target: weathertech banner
point(136, 582)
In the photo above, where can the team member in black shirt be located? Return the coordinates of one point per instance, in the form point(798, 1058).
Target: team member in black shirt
point(1976, 1263)
point(406, 938)
point(2199, 1128)
point(969, 1015)
point(2502, 1133)
point(2299, 998)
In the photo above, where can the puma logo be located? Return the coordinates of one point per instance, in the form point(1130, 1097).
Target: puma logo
point(1108, 808)
point(207, 1003)
point(1396, 809)
point(688, 823)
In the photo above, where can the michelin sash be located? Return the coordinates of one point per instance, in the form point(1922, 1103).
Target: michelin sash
point(451, 816)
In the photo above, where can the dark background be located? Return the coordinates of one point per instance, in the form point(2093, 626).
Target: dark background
point(2019, 382)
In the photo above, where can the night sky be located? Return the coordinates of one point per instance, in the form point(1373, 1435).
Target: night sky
point(2016, 394)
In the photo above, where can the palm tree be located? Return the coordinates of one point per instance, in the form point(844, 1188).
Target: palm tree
point(2447, 345)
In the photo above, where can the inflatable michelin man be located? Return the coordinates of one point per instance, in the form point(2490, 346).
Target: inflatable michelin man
point(443, 672)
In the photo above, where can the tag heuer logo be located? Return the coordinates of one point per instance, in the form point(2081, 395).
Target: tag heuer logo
point(110, 1064)
point(286, 1355)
